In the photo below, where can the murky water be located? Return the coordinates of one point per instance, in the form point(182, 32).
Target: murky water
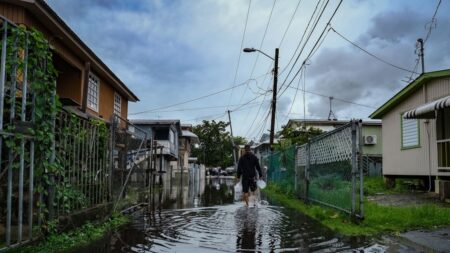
point(205, 219)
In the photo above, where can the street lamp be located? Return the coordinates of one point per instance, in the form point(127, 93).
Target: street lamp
point(274, 91)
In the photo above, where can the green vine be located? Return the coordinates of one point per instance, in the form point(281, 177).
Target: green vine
point(29, 51)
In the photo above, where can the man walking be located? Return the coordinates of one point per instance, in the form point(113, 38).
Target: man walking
point(247, 167)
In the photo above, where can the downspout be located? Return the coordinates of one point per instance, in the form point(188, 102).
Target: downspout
point(427, 126)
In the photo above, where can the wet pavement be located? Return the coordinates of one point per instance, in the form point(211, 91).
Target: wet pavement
point(203, 218)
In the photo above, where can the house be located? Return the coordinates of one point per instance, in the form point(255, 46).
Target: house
point(85, 84)
point(416, 129)
point(262, 148)
point(187, 139)
point(166, 134)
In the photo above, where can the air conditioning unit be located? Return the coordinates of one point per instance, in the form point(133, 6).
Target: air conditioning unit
point(370, 140)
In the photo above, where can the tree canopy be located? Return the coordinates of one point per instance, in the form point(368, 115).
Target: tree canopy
point(215, 149)
point(299, 135)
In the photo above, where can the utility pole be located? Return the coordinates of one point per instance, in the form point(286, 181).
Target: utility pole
point(274, 98)
point(421, 55)
point(232, 139)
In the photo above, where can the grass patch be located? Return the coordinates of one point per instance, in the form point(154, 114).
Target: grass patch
point(376, 185)
point(71, 240)
point(379, 219)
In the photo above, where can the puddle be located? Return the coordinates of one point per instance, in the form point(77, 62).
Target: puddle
point(205, 219)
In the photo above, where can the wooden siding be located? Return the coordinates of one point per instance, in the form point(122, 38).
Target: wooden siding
point(69, 80)
point(13, 12)
point(70, 83)
point(415, 161)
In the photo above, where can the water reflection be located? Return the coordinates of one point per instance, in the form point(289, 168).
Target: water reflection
point(192, 217)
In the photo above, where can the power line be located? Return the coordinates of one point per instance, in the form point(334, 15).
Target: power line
point(313, 48)
point(195, 99)
point(335, 98)
point(296, 91)
point(306, 42)
point(432, 22)
point(260, 47)
point(240, 50)
point(289, 24)
point(256, 116)
point(369, 53)
point(199, 108)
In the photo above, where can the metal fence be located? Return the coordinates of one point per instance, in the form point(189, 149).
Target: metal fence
point(82, 150)
point(326, 170)
point(17, 144)
point(131, 164)
point(85, 163)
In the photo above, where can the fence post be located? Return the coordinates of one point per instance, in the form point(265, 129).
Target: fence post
point(111, 153)
point(361, 172)
point(51, 175)
point(295, 170)
point(354, 167)
point(307, 166)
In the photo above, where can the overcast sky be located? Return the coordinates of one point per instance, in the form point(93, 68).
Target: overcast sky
point(168, 52)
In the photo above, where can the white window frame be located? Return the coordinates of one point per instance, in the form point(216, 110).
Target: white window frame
point(117, 106)
point(93, 92)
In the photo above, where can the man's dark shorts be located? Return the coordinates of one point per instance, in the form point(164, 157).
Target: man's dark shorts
point(248, 183)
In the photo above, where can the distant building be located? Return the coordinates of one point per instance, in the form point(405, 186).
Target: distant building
point(187, 139)
point(416, 128)
point(372, 139)
point(166, 134)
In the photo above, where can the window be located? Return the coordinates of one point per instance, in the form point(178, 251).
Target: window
point(410, 133)
point(117, 104)
point(93, 87)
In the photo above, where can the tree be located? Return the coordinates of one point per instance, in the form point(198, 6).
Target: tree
point(299, 135)
point(215, 149)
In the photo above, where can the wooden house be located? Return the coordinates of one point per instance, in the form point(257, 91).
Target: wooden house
point(84, 82)
point(416, 130)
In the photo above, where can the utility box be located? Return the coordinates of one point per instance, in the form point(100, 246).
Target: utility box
point(444, 189)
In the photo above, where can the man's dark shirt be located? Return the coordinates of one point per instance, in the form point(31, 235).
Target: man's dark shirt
point(247, 165)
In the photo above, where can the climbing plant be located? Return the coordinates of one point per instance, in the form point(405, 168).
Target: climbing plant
point(29, 58)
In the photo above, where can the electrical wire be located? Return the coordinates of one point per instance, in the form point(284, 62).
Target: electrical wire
point(369, 53)
point(313, 48)
point(240, 50)
point(260, 47)
point(306, 42)
point(335, 98)
point(195, 99)
point(199, 108)
point(432, 22)
point(256, 116)
point(289, 24)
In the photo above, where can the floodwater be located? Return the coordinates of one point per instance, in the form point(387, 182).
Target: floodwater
point(203, 218)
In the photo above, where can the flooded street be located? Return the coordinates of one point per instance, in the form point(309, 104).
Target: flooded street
point(205, 219)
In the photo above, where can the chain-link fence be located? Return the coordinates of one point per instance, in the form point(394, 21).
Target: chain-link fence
point(325, 170)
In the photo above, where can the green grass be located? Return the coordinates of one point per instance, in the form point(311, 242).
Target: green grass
point(71, 240)
point(378, 219)
point(374, 185)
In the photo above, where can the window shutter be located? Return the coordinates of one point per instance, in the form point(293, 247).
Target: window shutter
point(410, 133)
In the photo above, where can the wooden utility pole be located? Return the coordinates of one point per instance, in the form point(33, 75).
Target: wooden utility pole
point(274, 99)
point(232, 139)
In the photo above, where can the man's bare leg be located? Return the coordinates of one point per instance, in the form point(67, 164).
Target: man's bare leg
point(246, 198)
